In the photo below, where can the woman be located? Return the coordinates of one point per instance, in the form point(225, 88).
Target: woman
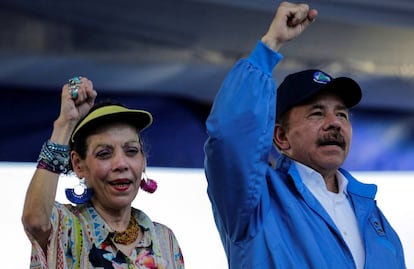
point(101, 144)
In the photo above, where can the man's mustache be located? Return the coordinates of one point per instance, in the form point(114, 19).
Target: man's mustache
point(332, 138)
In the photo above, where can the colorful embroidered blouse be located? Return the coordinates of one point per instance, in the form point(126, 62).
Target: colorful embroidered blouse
point(82, 239)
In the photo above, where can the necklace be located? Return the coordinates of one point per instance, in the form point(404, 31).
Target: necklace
point(129, 235)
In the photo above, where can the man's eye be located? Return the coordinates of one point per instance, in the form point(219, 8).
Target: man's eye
point(316, 113)
point(343, 115)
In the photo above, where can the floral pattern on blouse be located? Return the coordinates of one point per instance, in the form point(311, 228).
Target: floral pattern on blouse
point(81, 239)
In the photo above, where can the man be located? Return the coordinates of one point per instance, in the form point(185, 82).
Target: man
point(304, 211)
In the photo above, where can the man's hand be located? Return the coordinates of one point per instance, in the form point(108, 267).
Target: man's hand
point(289, 22)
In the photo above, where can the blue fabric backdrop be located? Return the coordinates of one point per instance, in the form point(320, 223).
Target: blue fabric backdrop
point(383, 140)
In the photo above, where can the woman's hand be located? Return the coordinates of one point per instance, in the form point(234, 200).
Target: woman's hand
point(73, 109)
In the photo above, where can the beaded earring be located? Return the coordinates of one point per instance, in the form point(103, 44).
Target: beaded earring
point(80, 194)
point(147, 184)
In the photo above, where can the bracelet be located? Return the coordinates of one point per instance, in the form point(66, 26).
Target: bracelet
point(54, 158)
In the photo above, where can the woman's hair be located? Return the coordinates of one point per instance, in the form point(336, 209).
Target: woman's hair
point(79, 145)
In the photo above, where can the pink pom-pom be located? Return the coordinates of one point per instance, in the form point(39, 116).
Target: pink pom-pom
point(149, 185)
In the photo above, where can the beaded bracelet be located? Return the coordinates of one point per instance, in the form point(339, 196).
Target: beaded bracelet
point(54, 158)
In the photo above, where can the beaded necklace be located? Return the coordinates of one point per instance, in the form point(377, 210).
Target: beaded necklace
point(129, 235)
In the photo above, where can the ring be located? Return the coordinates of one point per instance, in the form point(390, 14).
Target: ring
point(74, 92)
point(74, 85)
point(75, 81)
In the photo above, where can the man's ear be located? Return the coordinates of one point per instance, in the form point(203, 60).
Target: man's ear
point(280, 138)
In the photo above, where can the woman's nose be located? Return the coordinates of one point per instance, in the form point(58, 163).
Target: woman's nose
point(119, 162)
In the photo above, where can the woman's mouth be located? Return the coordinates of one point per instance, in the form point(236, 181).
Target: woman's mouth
point(121, 185)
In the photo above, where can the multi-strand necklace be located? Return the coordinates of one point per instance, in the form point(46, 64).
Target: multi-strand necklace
point(128, 236)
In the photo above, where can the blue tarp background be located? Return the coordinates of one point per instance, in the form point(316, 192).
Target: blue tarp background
point(383, 140)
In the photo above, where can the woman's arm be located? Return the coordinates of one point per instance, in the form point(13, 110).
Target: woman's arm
point(41, 193)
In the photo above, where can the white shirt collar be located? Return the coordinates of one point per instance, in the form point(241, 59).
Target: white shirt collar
point(313, 179)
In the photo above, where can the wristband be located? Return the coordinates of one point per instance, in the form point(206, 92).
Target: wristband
point(54, 158)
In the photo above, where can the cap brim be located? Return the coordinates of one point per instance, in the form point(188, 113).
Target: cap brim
point(347, 89)
point(141, 119)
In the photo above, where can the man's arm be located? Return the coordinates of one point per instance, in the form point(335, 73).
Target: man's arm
point(240, 127)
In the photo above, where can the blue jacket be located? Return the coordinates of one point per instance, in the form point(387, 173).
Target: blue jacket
point(266, 216)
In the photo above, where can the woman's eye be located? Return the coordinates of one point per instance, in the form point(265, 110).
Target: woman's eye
point(132, 150)
point(103, 154)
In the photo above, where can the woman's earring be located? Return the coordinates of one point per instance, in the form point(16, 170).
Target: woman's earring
point(147, 184)
point(80, 194)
